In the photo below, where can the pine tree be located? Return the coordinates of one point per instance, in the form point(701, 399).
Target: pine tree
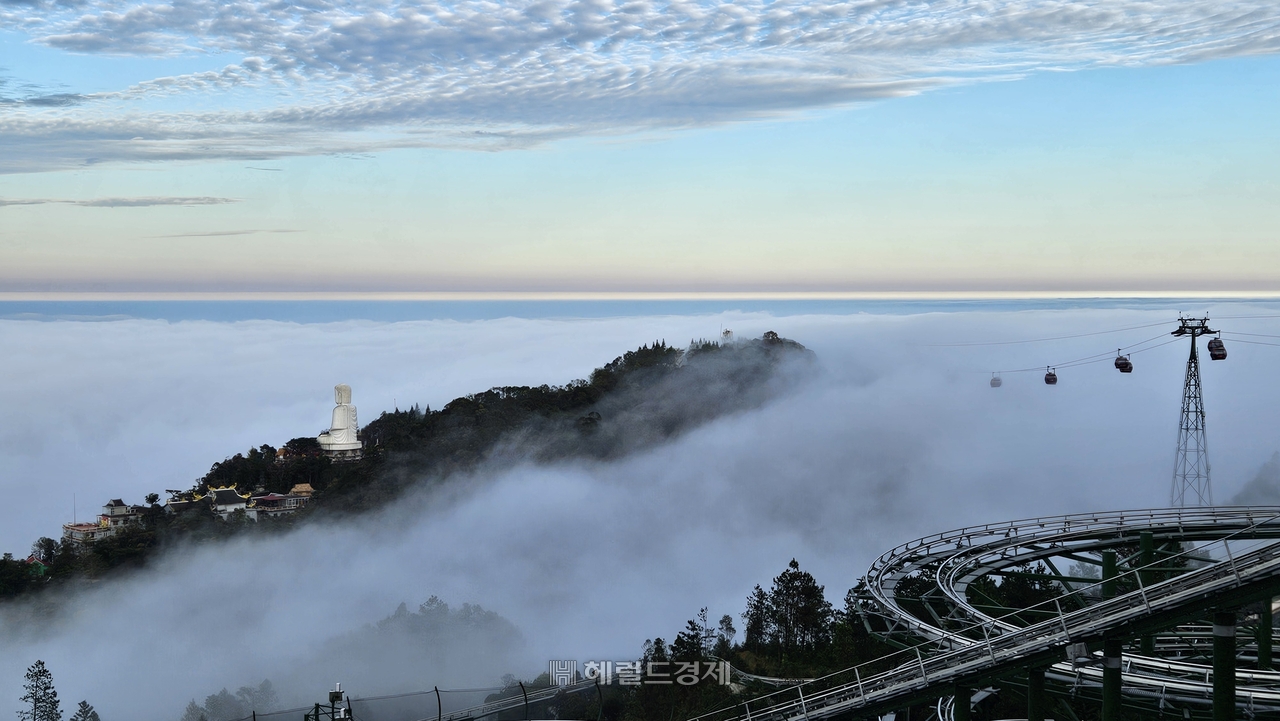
point(222, 706)
point(792, 616)
point(85, 713)
point(40, 695)
point(758, 619)
point(688, 643)
point(801, 613)
point(194, 712)
point(263, 697)
point(725, 636)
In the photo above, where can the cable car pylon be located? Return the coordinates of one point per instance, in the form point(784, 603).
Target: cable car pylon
point(1191, 485)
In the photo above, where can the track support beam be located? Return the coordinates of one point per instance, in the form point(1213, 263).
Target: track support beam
point(1111, 652)
point(1035, 694)
point(1146, 557)
point(1264, 636)
point(960, 709)
point(1108, 574)
point(1224, 665)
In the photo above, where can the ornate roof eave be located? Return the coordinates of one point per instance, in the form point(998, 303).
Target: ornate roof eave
point(231, 488)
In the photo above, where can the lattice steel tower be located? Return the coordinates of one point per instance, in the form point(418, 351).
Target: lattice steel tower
point(1191, 465)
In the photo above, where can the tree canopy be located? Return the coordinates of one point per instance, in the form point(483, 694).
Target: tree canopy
point(85, 713)
point(40, 700)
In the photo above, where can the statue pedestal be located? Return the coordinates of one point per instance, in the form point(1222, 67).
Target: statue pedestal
point(352, 454)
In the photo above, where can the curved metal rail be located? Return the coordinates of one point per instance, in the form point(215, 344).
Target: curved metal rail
point(967, 647)
point(968, 554)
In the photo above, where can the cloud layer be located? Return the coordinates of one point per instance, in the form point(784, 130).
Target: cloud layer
point(319, 76)
point(897, 438)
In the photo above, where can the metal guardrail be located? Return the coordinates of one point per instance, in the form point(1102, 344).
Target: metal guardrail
point(490, 708)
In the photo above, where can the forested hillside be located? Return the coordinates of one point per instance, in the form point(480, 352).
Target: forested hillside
point(639, 399)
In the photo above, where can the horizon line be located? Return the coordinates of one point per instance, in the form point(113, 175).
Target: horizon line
point(489, 296)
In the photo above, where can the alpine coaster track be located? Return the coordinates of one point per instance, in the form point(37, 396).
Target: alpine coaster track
point(1162, 571)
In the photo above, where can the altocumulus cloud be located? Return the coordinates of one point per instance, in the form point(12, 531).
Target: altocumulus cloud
point(315, 77)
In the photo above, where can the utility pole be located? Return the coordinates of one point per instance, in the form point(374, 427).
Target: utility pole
point(1191, 465)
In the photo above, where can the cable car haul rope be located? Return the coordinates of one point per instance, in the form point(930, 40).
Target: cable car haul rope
point(1123, 361)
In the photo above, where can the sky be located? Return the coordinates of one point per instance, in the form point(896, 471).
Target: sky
point(895, 435)
point(595, 146)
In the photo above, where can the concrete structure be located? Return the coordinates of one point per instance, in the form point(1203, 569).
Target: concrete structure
point(83, 533)
point(342, 441)
point(116, 514)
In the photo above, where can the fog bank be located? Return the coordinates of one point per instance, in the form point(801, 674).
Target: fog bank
point(893, 438)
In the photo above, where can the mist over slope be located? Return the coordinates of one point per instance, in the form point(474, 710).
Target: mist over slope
point(892, 439)
point(1264, 488)
point(643, 397)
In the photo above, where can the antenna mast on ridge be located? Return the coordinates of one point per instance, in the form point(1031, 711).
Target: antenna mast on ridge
point(1191, 465)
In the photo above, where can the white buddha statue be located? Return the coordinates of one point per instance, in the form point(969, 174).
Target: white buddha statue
point(341, 438)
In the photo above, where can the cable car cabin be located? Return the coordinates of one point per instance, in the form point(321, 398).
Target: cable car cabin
point(1123, 364)
point(995, 381)
point(1051, 378)
point(1217, 351)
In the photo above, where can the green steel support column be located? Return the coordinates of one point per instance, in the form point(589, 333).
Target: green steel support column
point(1224, 666)
point(962, 695)
point(1035, 694)
point(1108, 574)
point(1111, 651)
point(1147, 556)
point(1264, 636)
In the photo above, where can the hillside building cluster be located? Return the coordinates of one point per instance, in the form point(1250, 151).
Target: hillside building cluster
point(117, 515)
point(341, 442)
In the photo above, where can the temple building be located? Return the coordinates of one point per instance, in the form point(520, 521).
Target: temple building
point(226, 500)
point(275, 504)
point(342, 441)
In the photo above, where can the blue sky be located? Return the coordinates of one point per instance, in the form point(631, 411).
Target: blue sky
point(611, 147)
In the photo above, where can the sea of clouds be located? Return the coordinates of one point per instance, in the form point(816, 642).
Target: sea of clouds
point(897, 435)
